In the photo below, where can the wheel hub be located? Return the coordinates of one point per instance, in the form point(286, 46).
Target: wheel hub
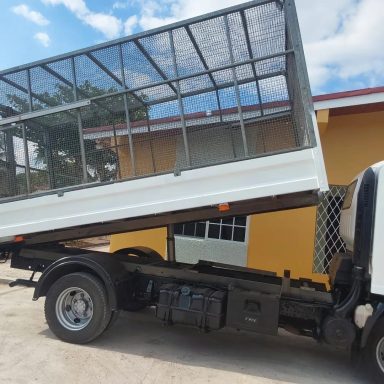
point(74, 308)
point(80, 306)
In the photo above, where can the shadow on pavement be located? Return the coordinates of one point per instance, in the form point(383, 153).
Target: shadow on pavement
point(286, 358)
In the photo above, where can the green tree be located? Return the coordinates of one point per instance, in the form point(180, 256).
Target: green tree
point(54, 139)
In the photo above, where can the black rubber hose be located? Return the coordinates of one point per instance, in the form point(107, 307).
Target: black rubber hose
point(350, 294)
point(344, 308)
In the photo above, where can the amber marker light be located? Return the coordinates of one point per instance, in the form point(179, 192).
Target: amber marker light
point(224, 207)
point(18, 239)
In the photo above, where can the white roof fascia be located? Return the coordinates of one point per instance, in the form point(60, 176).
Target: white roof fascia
point(349, 101)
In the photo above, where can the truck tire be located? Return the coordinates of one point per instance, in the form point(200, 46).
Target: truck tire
point(77, 309)
point(373, 353)
point(144, 252)
point(114, 316)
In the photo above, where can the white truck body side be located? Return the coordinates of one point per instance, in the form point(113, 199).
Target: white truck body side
point(268, 176)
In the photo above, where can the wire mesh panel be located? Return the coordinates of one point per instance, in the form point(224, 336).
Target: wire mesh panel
point(14, 98)
point(54, 157)
point(49, 89)
point(14, 172)
point(328, 240)
point(39, 178)
point(219, 88)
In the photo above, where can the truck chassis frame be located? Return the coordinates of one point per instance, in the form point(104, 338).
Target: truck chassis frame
point(136, 275)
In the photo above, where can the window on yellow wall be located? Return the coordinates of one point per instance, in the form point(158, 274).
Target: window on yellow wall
point(195, 229)
point(229, 229)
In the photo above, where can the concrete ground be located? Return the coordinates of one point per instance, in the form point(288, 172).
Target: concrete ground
point(138, 349)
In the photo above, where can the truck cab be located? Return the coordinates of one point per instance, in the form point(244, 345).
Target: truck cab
point(362, 223)
point(357, 276)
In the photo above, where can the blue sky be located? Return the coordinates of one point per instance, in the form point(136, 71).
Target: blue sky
point(343, 39)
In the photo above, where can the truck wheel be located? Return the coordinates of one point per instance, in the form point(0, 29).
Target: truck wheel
point(144, 252)
point(114, 316)
point(373, 354)
point(77, 309)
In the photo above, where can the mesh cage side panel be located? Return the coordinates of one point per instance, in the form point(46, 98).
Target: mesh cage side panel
point(210, 37)
point(187, 58)
point(138, 70)
point(14, 98)
point(214, 144)
point(159, 49)
point(56, 156)
point(296, 99)
point(92, 80)
point(157, 152)
point(269, 136)
point(217, 89)
point(37, 158)
point(63, 70)
point(100, 123)
point(109, 59)
point(15, 163)
point(4, 168)
point(266, 24)
point(48, 90)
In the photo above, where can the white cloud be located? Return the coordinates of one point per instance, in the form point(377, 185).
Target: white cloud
point(353, 50)
point(342, 39)
point(78, 7)
point(152, 11)
point(120, 5)
point(43, 38)
point(109, 25)
point(150, 15)
point(321, 19)
point(130, 24)
point(34, 16)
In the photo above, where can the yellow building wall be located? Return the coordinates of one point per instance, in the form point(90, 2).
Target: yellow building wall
point(285, 240)
point(152, 238)
point(156, 154)
point(352, 143)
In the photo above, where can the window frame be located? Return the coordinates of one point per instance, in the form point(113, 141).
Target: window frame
point(209, 223)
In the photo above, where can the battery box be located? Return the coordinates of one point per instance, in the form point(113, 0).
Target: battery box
point(198, 306)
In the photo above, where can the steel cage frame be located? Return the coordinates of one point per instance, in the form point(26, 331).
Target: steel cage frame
point(130, 95)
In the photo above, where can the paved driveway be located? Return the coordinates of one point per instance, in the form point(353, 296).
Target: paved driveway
point(138, 349)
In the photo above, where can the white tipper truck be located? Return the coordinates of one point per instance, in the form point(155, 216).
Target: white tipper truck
point(207, 118)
